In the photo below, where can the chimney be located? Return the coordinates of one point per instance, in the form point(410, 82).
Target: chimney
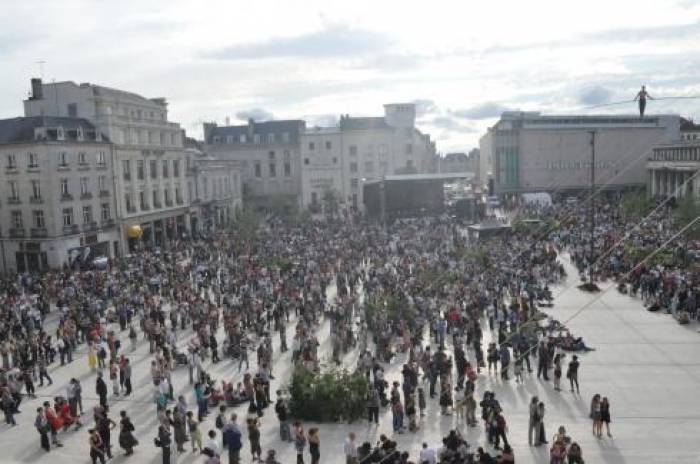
point(251, 128)
point(228, 121)
point(37, 89)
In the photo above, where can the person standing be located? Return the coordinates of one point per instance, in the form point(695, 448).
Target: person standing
point(542, 361)
point(641, 97)
point(605, 414)
point(164, 441)
point(572, 373)
point(43, 373)
point(314, 445)
point(101, 389)
point(254, 439)
point(532, 424)
point(350, 449)
point(127, 376)
point(373, 402)
point(195, 433)
point(104, 425)
point(42, 426)
point(299, 441)
point(55, 423)
point(283, 417)
point(96, 447)
point(126, 434)
point(232, 438)
point(541, 434)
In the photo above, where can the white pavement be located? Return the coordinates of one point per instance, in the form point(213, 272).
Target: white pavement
point(645, 363)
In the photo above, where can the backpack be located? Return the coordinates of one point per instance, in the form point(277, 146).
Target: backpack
point(219, 422)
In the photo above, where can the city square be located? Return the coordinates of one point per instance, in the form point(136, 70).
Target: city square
point(349, 233)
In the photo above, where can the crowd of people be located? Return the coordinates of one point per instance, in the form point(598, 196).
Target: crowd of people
point(416, 293)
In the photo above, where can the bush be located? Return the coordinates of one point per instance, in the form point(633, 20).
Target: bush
point(333, 395)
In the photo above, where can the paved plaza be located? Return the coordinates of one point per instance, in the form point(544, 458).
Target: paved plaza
point(645, 363)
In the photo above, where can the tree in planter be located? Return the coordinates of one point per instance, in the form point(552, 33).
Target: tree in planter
point(332, 395)
point(330, 202)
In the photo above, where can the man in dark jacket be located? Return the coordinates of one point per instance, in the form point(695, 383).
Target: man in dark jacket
point(283, 416)
point(232, 440)
point(101, 390)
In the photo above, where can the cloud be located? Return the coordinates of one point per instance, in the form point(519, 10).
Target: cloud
point(425, 107)
point(483, 111)
point(332, 41)
point(256, 114)
point(657, 33)
point(595, 95)
point(321, 120)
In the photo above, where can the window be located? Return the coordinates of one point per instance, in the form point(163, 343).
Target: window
point(36, 189)
point(353, 167)
point(287, 169)
point(271, 155)
point(176, 168)
point(33, 160)
point(369, 166)
point(72, 110)
point(156, 198)
point(285, 137)
point(14, 191)
point(242, 138)
point(161, 136)
point(287, 154)
point(81, 158)
point(409, 164)
point(126, 169)
point(409, 148)
point(270, 138)
point(101, 161)
point(328, 145)
point(11, 161)
point(168, 200)
point(166, 169)
point(353, 150)
point(312, 146)
point(306, 161)
point(143, 204)
point(63, 159)
point(335, 160)
point(65, 191)
point(258, 169)
point(17, 220)
point(67, 217)
point(87, 214)
point(178, 195)
point(256, 138)
point(189, 190)
point(105, 211)
point(273, 170)
point(102, 183)
point(154, 169)
point(84, 186)
point(128, 202)
point(38, 219)
point(354, 182)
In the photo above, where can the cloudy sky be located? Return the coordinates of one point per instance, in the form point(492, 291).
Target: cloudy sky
point(461, 62)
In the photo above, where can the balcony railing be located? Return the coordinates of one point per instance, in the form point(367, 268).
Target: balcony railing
point(13, 201)
point(36, 200)
point(86, 196)
point(67, 197)
point(71, 229)
point(107, 223)
point(104, 193)
point(89, 226)
point(39, 232)
point(17, 232)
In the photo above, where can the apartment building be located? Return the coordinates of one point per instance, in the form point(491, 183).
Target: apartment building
point(57, 201)
point(150, 163)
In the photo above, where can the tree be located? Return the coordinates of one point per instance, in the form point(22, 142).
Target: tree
point(635, 204)
point(283, 206)
point(687, 211)
point(246, 225)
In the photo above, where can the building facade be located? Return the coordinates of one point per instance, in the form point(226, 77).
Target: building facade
point(337, 161)
point(217, 190)
point(529, 152)
point(673, 170)
point(150, 164)
point(268, 156)
point(58, 201)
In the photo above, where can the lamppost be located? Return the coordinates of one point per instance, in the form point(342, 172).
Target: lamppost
point(590, 285)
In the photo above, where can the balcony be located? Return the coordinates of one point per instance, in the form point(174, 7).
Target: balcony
point(67, 197)
point(36, 200)
point(130, 210)
point(11, 170)
point(90, 226)
point(38, 232)
point(107, 223)
point(17, 232)
point(127, 177)
point(104, 193)
point(145, 208)
point(83, 167)
point(101, 166)
point(63, 167)
point(157, 205)
point(86, 196)
point(71, 229)
point(13, 201)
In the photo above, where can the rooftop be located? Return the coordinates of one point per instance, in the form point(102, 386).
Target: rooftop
point(22, 129)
